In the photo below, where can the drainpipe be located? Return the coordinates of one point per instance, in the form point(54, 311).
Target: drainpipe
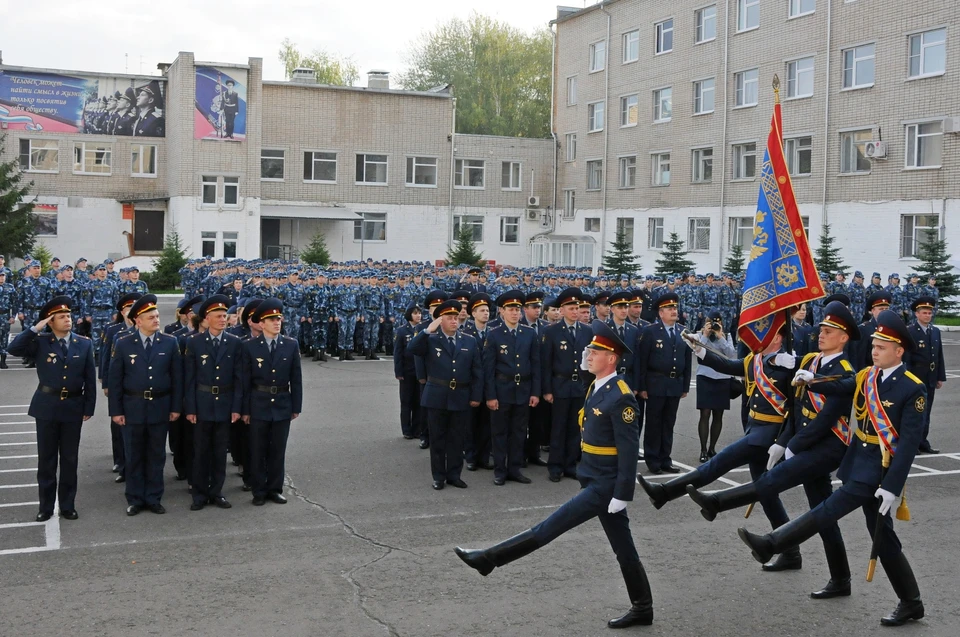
point(826, 121)
point(723, 134)
point(606, 137)
point(453, 163)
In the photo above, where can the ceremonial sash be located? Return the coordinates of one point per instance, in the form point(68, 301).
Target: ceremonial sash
point(767, 388)
point(842, 428)
point(878, 416)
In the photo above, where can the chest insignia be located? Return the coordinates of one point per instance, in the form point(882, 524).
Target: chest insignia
point(503, 349)
point(259, 363)
point(563, 345)
point(133, 358)
point(886, 403)
point(596, 412)
point(51, 358)
point(204, 357)
point(659, 344)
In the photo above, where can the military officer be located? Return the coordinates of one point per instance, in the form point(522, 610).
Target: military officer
point(876, 303)
point(804, 336)
point(230, 106)
point(272, 398)
point(122, 326)
point(346, 308)
point(183, 306)
point(8, 299)
point(63, 401)
point(896, 293)
point(404, 369)
point(150, 121)
point(477, 438)
point(145, 387)
point(926, 361)
point(539, 426)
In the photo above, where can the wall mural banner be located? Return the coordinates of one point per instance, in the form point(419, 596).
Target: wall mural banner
point(221, 104)
point(56, 103)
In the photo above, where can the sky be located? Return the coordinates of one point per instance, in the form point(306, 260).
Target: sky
point(133, 37)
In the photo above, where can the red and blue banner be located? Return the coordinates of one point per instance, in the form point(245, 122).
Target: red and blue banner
point(221, 103)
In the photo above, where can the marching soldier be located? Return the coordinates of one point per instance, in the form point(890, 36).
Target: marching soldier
point(926, 362)
point(63, 401)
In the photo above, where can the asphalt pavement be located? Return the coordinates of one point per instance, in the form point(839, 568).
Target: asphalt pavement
point(365, 547)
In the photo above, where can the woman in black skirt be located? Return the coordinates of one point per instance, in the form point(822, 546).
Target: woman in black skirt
point(713, 388)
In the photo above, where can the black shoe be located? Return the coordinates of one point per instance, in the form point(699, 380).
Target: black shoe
point(424, 444)
point(43, 516)
point(904, 612)
point(342, 356)
point(833, 589)
point(156, 508)
point(640, 455)
point(519, 477)
point(711, 452)
point(120, 478)
point(484, 561)
point(928, 449)
point(407, 437)
point(70, 514)
point(197, 506)
point(485, 465)
point(537, 461)
point(458, 483)
point(259, 500)
point(839, 584)
point(703, 457)
point(373, 356)
point(554, 478)
point(641, 599)
point(246, 488)
point(134, 509)
point(499, 481)
point(437, 485)
point(276, 497)
point(180, 477)
point(570, 474)
point(789, 560)
point(904, 584)
point(349, 356)
point(116, 468)
point(670, 469)
point(322, 357)
point(220, 502)
point(471, 466)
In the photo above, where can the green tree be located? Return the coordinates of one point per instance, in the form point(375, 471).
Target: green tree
point(735, 261)
point(500, 75)
point(316, 251)
point(42, 253)
point(673, 258)
point(464, 250)
point(620, 259)
point(331, 69)
point(827, 256)
point(166, 267)
point(17, 227)
point(934, 262)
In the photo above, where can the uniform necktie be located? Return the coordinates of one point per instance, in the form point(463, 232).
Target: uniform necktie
point(63, 347)
point(273, 346)
point(216, 344)
point(149, 346)
point(620, 329)
point(670, 334)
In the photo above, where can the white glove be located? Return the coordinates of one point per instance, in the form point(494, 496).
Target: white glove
point(785, 360)
point(774, 453)
point(583, 360)
point(802, 376)
point(699, 351)
point(618, 505)
point(788, 454)
point(886, 500)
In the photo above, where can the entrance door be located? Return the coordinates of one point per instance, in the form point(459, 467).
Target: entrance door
point(148, 230)
point(270, 238)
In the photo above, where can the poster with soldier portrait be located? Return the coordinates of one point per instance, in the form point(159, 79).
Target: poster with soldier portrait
point(221, 103)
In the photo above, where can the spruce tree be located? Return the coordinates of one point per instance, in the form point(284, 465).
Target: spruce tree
point(934, 262)
point(735, 261)
point(42, 254)
point(17, 227)
point(316, 252)
point(166, 267)
point(827, 256)
point(673, 259)
point(463, 251)
point(621, 259)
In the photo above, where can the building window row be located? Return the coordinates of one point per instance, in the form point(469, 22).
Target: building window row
point(474, 224)
point(89, 158)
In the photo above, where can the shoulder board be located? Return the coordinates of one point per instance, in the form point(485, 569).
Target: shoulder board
point(624, 388)
point(913, 378)
point(845, 364)
point(807, 358)
point(124, 337)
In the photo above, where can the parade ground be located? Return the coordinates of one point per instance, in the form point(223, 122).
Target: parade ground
point(364, 547)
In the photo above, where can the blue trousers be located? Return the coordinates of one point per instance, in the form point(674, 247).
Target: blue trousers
point(348, 323)
point(848, 498)
point(508, 427)
point(145, 450)
point(564, 436)
point(57, 443)
point(268, 451)
point(371, 330)
point(209, 459)
point(661, 416)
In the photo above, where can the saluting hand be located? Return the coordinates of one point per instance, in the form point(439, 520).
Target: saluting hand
point(42, 324)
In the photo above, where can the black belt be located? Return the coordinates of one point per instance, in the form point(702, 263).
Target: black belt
point(452, 384)
point(273, 389)
point(146, 395)
point(669, 375)
point(575, 376)
point(516, 378)
point(216, 390)
point(64, 393)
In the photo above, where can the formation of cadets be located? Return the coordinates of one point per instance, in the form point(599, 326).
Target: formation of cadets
point(495, 369)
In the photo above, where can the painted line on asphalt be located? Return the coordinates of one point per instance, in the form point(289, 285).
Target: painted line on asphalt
point(19, 504)
point(18, 457)
point(19, 525)
point(19, 413)
point(17, 444)
point(18, 422)
point(13, 406)
point(17, 470)
point(17, 486)
point(16, 433)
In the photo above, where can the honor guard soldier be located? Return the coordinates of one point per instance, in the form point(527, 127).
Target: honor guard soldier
point(563, 383)
point(813, 443)
point(212, 399)
point(607, 475)
point(64, 399)
point(405, 371)
point(926, 361)
point(511, 371)
point(664, 366)
point(145, 387)
point(454, 376)
point(889, 404)
point(272, 397)
point(122, 326)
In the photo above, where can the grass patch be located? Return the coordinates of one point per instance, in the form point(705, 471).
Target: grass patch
point(947, 320)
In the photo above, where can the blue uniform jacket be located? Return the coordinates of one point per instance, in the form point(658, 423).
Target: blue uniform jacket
point(664, 366)
point(611, 422)
point(132, 370)
point(282, 370)
point(75, 374)
point(221, 369)
point(511, 365)
point(403, 360)
point(803, 431)
point(441, 367)
point(105, 349)
point(560, 355)
point(926, 361)
point(627, 367)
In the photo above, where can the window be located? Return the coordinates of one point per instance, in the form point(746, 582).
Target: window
point(928, 53)
point(628, 172)
point(631, 46)
point(706, 20)
point(422, 171)
point(702, 165)
point(741, 232)
point(802, 7)
point(744, 161)
point(747, 87)
point(917, 230)
point(655, 233)
point(663, 104)
point(800, 78)
point(591, 224)
point(208, 187)
point(629, 105)
point(748, 14)
point(320, 166)
point(595, 113)
point(208, 244)
point(271, 164)
point(799, 152)
point(570, 142)
point(143, 160)
point(372, 227)
point(698, 235)
point(231, 191)
point(510, 230)
point(924, 144)
point(371, 169)
point(230, 245)
point(598, 56)
point(468, 173)
point(853, 158)
point(664, 36)
point(571, 90)
point(594, 174)
point(661, 169)
point(569, 202)
point(625, 228)
point(704, 92)
point(510, 175)
point(858, 66)
point(471, 223)
point(40, 155)
point(92, 158)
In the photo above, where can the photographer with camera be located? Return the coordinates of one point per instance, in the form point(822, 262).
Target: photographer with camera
point(713, 387)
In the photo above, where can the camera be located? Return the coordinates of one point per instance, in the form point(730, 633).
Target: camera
point(716, 326)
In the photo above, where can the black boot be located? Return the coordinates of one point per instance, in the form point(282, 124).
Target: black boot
point(373, 355)
point(316, 355)
point(839, 584)
point(641, 599)
point(713, 503)
point(789, 560)
point(661, 493)
point(349, 355)
point(322, 355)
point(790, 535)
point(484, 561)
point(3, 361)
point(343, 355)
point(905, 585)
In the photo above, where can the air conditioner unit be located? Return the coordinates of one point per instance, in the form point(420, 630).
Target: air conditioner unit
point(533, 215)
point(951, 125)
point(533, 202)
point(875, 150)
